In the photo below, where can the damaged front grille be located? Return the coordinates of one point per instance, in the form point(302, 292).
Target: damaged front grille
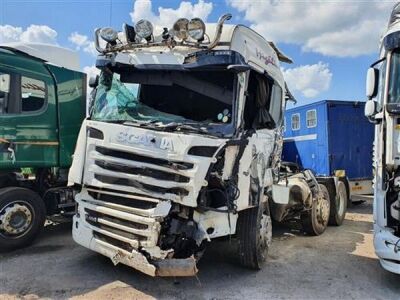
point(130, 219)
point(145, 159)
point(141, 186)
point(112, 241)
point(109, 197)
point(156, 174)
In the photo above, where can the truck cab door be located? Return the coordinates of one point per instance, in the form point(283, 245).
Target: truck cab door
point(263, 117)
point(28, 116)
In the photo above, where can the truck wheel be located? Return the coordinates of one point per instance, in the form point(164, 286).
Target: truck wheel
point(22, 216)
point(316, 219)
point(338, 205)
point(254, 236)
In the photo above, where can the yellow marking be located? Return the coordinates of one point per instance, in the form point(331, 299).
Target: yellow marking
point(397, 126)
point(38, 143)
point(356, 188)
point(30, 143)
point(340, 173)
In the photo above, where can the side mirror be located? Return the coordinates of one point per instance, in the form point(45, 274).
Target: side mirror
point(372, 83)
point(370, 108)
point(94, 81)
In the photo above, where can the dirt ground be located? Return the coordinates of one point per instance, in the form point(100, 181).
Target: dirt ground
point(341, 264)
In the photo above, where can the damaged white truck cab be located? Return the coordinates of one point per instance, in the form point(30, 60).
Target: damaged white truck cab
point(383, 109)
point(183, 146)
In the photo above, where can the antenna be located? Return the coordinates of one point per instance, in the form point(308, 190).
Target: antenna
point(110, 13)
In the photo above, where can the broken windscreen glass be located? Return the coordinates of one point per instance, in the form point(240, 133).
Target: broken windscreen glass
point(197, 98)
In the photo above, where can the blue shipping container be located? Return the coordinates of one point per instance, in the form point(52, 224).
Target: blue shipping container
point(330, 135)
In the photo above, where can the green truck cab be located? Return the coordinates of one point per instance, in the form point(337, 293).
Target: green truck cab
point(42, 105)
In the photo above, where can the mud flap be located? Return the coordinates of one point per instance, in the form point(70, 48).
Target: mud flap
point(176, 267)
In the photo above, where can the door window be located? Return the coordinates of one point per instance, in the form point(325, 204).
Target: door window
point(296, 122)
point(21, 94)
point(275, 108)
point(33, 94)
point(4, 91)
point(311, 118)
point(263, 108)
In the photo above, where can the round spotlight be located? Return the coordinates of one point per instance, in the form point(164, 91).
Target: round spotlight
point(196, 29)
point(180, 29)
point(108, 34)
point(144, 29)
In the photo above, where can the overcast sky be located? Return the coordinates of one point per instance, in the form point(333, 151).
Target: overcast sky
point(332, 42)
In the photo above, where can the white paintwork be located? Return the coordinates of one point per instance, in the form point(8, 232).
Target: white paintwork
point(52, 54)
point(360, 187)
point(300, 138)
point(255, 50)
point(385, 156)
point(370, 108)
point(280, 193)
point(259, 162)
point(370, 82)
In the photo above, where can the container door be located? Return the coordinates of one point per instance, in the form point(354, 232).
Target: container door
point(28, 116)
point(350, 140)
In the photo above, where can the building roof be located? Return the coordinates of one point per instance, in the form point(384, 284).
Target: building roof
point(313, 104)
point(50, 53)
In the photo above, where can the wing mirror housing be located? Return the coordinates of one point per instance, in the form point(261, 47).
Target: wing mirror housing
point(370, 108)
point(94, 81)
point(372, 83)
point(371, 91)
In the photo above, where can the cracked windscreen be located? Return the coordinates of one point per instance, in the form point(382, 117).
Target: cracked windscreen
point(188, 97)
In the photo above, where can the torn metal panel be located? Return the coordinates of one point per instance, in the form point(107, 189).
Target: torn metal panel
point(216, 224)
point(231, 153)
point(176, 267)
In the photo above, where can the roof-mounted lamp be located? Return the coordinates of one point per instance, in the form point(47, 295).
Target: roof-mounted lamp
point(180, 29)
point(144, 29)
point(196, 29)
point(109, 35)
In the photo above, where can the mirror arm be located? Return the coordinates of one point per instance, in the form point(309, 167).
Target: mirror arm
point(377, 62)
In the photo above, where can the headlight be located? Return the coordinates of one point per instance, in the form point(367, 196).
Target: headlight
point(180, 29)
point(144, 29)
point(196, 29)
point(108, 34)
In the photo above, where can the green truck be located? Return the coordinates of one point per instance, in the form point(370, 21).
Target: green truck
point(42, 105)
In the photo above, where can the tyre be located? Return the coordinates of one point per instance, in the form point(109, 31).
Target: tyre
point(254, 236)
point(338, 205)
point(315, 220)
point(22, 217)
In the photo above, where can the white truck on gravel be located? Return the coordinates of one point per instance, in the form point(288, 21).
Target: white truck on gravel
point(183, 146)
point(383, 109)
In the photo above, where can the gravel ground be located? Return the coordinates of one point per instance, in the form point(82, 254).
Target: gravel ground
point(340, 264)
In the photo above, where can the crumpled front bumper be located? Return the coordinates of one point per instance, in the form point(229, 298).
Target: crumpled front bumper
point(134, 259)
point(386, 249)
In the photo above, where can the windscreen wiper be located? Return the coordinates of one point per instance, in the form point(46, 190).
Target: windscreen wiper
point(184, 127)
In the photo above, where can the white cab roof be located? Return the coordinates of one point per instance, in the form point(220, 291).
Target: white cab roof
point(52, 54)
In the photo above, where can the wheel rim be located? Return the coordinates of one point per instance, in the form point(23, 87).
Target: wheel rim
point(341, 201)
point(265, 234)
point(322, 210)
point(16, 219)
